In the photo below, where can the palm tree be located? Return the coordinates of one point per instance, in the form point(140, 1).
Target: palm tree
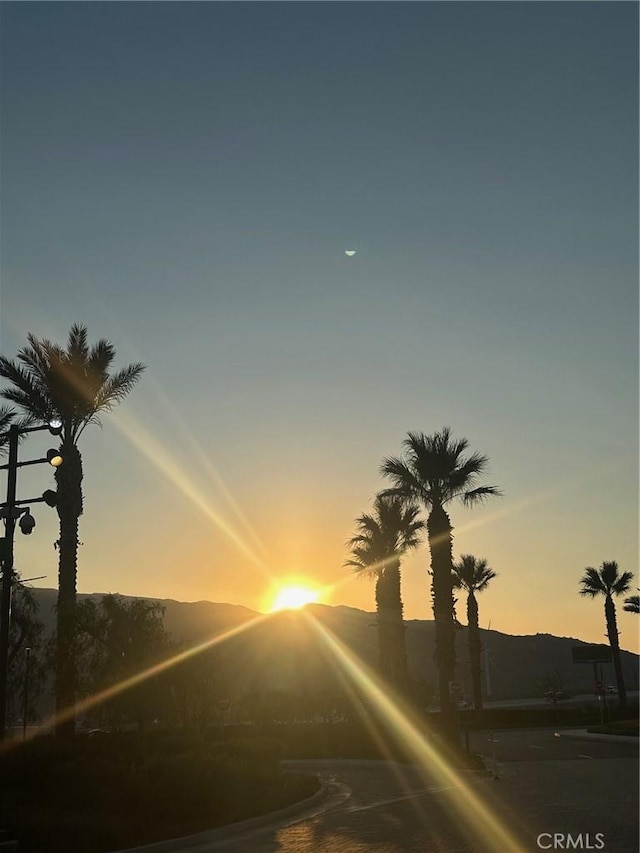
point(436, 471)
point(632, 604)
point(383, 537)
point(473, 575)
point(608, 582)
point(74, 385)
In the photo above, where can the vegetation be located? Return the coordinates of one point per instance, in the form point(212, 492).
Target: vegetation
point(110, 791)
point(123, 788)
point(74, 385)
point(608, 582)
point(7, 416)
point(623, 728)
point(377, 549)
point(473, 576)
point(27, 663)
point(435, 471)
point(121, 641)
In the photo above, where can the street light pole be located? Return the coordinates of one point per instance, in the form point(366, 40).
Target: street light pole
point(25, 708)
point(10, 511)
point(7, 573)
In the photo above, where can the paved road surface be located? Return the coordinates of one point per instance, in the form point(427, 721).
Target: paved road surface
point(545, 785)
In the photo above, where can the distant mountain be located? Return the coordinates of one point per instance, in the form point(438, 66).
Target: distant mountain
point(517, 667)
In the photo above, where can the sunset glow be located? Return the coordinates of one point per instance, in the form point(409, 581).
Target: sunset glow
point(293, 597)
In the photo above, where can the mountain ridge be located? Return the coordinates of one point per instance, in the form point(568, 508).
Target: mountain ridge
point(517, 666)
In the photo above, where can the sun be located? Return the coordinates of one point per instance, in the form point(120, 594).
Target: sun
point(293, 597)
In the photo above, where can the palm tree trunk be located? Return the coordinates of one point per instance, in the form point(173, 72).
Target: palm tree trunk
point(398, 650)
point(475, 651)
point(382, 619)
point(612, 632)
point(69, 482)
point(440, 545)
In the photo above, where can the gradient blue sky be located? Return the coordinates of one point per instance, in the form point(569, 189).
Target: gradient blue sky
point(184, 178)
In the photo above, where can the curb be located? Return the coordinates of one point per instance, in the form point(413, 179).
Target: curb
point(583, 734)
point(210, 837)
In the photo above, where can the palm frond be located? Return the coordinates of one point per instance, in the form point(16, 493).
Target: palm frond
point(74, 384)
point(434, 470)
point(592, 584)
point(384, 535)
point(118, 386)
point(623, 584)
point(478, 495)
point(25, 390)
point(466, 472)
point(7, 415)
point(101, 356)
point(406, 483)
point(77, 348)
point(611, 579)
point(472, 574)
point(632, 604)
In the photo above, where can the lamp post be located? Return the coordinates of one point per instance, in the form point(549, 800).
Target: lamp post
point(11, 510)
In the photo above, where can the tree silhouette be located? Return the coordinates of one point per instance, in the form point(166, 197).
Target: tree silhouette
point(473, 575)
point(382, 538)
point(6, 417)
point(27, 651)
point(435, 471)
point(607, 581)
point(632, 604)
point(74, 385)
point(123, 641)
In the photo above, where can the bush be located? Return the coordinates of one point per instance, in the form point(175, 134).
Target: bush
point(99, 794)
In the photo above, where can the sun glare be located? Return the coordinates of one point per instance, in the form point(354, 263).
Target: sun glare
point(293, 597)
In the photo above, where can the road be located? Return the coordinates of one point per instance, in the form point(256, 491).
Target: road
point(610, 700)
point(544, 785)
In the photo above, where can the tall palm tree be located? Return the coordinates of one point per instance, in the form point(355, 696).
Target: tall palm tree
point(435, 471)
point(473, 576)
point(607, 581)
point(74, 385)
point(382, 538)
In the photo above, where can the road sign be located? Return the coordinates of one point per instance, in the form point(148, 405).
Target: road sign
point(591, 653)
point(456, 692)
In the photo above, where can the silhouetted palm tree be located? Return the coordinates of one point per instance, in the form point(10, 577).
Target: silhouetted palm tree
point(607, 581)
point(435, 471)
point(73, 384)
point(632, 604)
point(382, 538)
point(473, 575)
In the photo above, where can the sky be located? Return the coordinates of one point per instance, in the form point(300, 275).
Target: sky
point(185, 178)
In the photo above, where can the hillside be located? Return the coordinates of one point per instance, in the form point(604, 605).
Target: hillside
point(282, 647)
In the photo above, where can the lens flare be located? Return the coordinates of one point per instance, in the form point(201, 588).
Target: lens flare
point(115, 689)
point(475, 815)
point(160, 457)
